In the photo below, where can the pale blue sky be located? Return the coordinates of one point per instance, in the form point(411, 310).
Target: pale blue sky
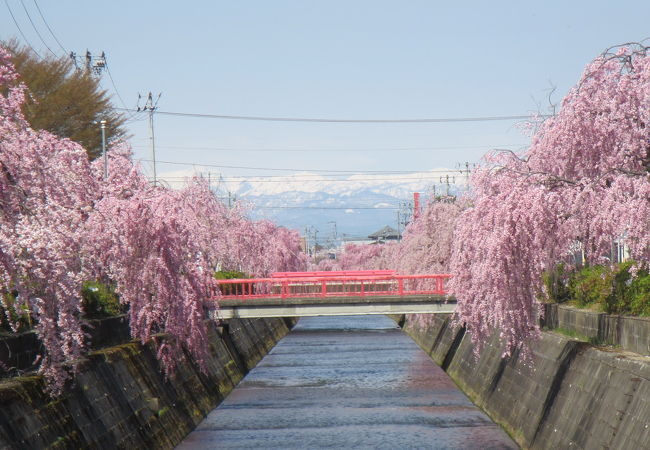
point(335, 59)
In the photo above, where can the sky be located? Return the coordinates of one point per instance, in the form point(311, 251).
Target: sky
point(333, 60)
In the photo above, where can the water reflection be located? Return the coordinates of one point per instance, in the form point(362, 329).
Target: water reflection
point(347, 381)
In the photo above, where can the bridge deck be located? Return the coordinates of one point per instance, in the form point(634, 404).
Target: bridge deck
point(333, 306)
point(333, 293)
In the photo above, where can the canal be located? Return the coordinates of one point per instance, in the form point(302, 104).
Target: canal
point(350, 382)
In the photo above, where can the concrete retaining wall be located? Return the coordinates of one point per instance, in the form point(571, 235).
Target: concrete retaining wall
point(570, 395)
point(120, 398)
point(628, 332)
point(18, 351)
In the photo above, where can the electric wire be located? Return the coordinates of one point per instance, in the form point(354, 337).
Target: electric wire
point(50, 29)
point(36, 29)
point(184, 179)
point(382, 172)
point(333, 150)
point(379, 208)
point(324, 120)
point(110, 77)
point(21, 31)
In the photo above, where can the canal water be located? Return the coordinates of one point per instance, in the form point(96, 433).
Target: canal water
point(347, 382)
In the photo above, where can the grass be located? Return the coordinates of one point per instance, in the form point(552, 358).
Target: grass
point(571, 333)
point(595, 341)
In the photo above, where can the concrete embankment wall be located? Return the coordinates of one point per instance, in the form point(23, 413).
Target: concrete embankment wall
point(120, 398)
point(570, 395)
point(628, 332)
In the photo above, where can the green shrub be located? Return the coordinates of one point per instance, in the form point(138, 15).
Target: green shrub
point(230, 289)
point(555, 283)
point(614, 289)
point(229, 274)
point(640, 293)
point(618, 300)
point(100, 300)
point(591, 285)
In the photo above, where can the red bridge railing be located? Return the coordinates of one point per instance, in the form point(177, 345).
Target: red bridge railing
point(332, 274)
point(334, 284)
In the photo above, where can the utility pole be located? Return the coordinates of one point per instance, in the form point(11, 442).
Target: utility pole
point(399, 229)
point(103, 127)
point(315, 241)
point(334, 235)
point(99, 64)
point(151, 107)
point(92, 64)
point(311, 235)
point(153, 142)
point(406, 213)
point(446, 181)
point(416, 205)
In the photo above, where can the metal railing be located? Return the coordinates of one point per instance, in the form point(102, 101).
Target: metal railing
point(335, 284)
point(333, 273)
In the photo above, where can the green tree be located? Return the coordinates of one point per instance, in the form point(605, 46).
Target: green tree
point(64, 100)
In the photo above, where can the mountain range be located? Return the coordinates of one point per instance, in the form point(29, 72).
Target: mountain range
point(345, 206)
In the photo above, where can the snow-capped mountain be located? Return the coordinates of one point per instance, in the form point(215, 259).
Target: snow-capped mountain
point(358, 204)
point(354, 205)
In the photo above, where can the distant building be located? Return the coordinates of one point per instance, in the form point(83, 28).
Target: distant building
point(357, 242)
point(385, 234)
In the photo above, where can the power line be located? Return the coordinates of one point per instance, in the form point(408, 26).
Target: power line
point(315, 180)
point(310, 150)
point(110, 77)
point(36, 29)
point(50, 29)
point(366, 206)
point(355, 178)
point(384, 208)
point(382, 172)
point(21, 31)
point(323, 120)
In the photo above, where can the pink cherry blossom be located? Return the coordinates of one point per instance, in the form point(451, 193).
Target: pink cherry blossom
point(583, 182)
point(61, 223)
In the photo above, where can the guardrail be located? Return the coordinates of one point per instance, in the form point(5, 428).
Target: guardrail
point(334, 273)
point(333, 286)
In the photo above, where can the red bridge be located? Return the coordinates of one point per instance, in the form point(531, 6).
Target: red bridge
point(297, 294)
